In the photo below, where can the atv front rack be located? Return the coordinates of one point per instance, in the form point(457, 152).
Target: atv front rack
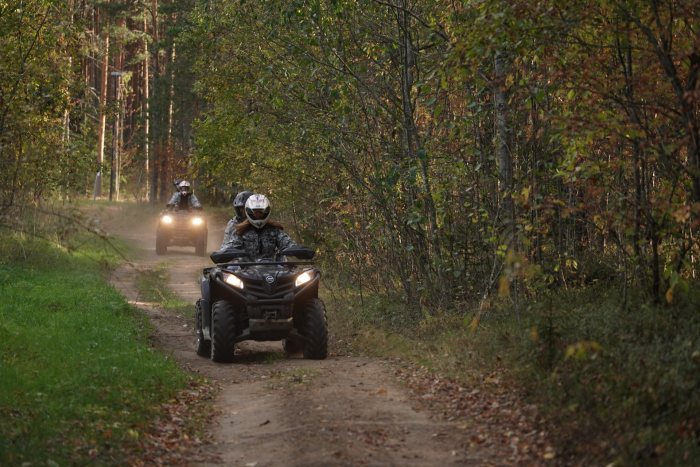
point(269, 263)
point(282, 263)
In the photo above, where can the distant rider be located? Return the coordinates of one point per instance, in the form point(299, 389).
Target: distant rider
point(258, 235)
point(184, 199)
point(239, 209)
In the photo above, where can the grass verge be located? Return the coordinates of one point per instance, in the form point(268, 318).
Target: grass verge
point(619, 385)
point(152, 285)
point(79, 382)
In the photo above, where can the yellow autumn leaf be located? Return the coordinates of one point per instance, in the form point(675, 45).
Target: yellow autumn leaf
point(570, 350)
point(474, 323)
point(504, 287)
point(669, 295)
point(581, 349)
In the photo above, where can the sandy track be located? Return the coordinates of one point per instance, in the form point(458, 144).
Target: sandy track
point(277, 411)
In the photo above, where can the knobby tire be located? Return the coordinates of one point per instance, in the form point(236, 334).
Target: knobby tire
point(315, 330)
point(223, 339)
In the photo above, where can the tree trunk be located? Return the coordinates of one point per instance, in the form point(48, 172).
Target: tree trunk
point(145, 104)
point(505, 164)
point(103, 116)
point(172, 94)
point(409, 59)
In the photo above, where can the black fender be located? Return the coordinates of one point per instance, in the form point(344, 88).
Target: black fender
point(206, 304)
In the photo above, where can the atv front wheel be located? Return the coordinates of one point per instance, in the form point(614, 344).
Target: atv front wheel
point(200, 248)
point(202, 346)
point(223, 335)
point(161, 241)
point(315, 330)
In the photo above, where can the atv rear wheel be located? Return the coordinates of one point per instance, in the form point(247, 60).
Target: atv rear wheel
point(200, 248)
point(202, 346)
point(315, 330)
point(223, 335)
point(161, 241)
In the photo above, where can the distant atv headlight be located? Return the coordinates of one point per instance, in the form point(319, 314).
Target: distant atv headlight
point(197, 221)
point(167, 219)
point(303, 279)
point(233, 280)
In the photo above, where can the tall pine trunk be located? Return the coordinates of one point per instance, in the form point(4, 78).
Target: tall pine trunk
point(103, 115)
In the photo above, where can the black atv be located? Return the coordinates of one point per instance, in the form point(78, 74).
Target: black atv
point(181, 228)
point(265, 300)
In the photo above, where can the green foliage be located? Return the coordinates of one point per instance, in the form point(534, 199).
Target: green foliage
point(77, 371)
point(37, 154)
point(623, 375)
point(374, 129)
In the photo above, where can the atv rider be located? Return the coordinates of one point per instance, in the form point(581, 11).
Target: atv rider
point(184, 199)
point(239, 209)
point(258, 236)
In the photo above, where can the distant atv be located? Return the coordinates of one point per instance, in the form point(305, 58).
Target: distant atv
point(181, 228)
point(262, 301)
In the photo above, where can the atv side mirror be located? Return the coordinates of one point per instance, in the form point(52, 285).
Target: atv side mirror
point(225, 256)
point(301, 252)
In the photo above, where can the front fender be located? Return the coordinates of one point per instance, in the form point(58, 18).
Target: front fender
point(205, 302)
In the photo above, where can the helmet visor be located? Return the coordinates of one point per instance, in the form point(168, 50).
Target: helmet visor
point(258, 214)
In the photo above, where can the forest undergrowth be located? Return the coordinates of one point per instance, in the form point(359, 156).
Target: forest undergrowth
point(80, 381)
point(614, 383)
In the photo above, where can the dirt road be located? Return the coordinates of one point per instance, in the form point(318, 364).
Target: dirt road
point(277, 411)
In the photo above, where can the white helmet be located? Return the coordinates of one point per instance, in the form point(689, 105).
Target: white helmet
point(184, 187)
point(255, 204)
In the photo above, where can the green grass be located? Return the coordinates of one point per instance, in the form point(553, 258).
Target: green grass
point(621, 384)
point(152, 285)
point(78, 378)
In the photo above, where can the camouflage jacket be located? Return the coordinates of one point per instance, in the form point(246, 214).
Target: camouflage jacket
point(192, 201)
point(261, 243)
point(230, 227)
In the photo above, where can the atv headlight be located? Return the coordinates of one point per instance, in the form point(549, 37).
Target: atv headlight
point(197, 221)
point(233, 280)
point(167, 219)
point(303, 279)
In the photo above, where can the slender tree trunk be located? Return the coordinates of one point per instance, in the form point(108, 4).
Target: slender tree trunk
point(103, 115)
point(157, 180)
point(172, 95)
point(637, 200)
point(145, 103)
point(505, 164)
point(410, 128)
point(119, 66)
